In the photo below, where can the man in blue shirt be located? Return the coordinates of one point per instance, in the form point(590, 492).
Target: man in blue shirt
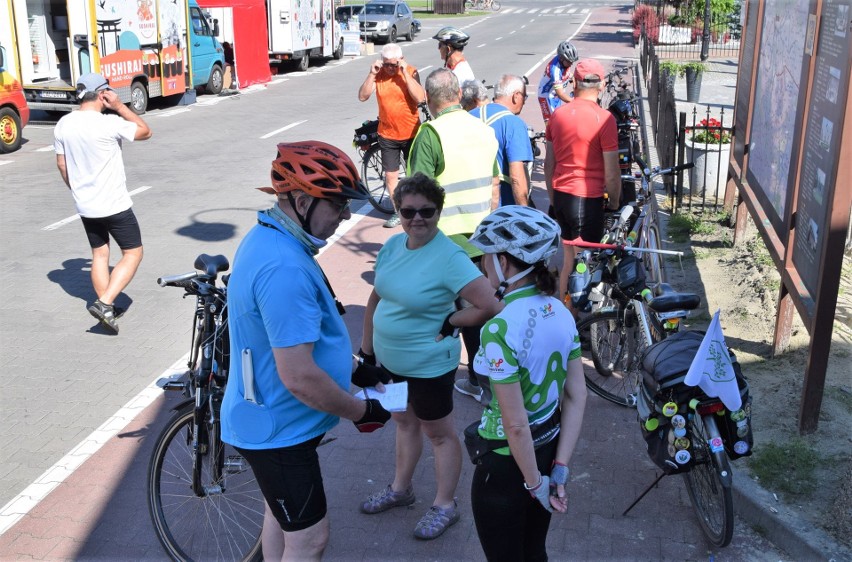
point(294, 349)
point(514, 150)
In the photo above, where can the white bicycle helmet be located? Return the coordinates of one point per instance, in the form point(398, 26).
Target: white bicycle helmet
point(452, 36)
point(567, 52)
point(524, 232)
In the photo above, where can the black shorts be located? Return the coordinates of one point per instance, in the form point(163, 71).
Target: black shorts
point(431, 399)
point(123, 227)
point(291, 482)
point(392, 152)
point(579, 216)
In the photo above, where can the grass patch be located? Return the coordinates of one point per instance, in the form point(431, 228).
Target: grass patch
point(843, 396)
point(680, 227)
point(758, 251)
point(787, 467)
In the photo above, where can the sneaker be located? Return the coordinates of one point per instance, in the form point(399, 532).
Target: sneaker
point(392, 222)
point(106, 314)
point(386, 499)
point(119, 312)
point(436, 521)
point(465, 387)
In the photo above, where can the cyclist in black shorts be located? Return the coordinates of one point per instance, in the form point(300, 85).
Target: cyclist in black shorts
point(398, 91)
point(581, 164)
point(88, 155)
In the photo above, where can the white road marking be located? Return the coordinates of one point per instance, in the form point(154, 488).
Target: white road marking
point(482, 45)
point(21, 504)
point(282, 129)
point(172, 112)
point(2, 162)
point(73, 218)
point(424, 68)
point(498, 38)
point(278, 80)
point(46, 149)
point(549, 55)
point(572, 10)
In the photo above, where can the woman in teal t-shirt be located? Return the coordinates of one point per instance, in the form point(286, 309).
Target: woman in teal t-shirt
point(530, 353)
point(419, 275)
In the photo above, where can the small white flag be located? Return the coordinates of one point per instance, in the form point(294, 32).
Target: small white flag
point(712, 369)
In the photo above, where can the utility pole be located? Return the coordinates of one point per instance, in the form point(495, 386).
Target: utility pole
point(705, 37)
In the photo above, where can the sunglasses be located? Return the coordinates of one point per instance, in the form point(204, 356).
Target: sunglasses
point(340, 205)
point(425, 212)
point(390, 65)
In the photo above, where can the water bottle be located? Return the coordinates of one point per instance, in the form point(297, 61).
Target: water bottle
point(578, 282)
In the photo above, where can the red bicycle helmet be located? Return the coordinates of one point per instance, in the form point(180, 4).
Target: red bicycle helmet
point(317, 168)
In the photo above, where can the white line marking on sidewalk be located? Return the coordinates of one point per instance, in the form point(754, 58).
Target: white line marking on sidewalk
point(549, 55)
point(45, 149)
point(282, 129)
point(21, 504)
point(73, 218)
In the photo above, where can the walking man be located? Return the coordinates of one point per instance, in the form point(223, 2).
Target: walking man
point(582, 163)
point(459, 151)
point(398, 91)
point(88, 155)
point(514, 150)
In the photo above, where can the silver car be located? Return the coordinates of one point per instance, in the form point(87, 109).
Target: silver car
point(385, 20)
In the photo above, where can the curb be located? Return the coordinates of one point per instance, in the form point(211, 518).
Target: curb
point(781, 525)
point(777, 522)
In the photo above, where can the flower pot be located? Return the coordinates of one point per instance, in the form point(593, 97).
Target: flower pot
point(711, 168)
point(693, 85)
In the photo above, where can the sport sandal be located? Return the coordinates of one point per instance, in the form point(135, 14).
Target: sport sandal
point(106, 314)
point(436, 521)
point(386, 499)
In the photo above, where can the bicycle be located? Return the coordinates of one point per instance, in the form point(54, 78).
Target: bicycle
point(627, 319)
point(366, 141)
point(202, 495)
point(481, 5)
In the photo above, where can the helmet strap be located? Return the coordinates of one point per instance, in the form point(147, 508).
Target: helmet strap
point(305, 220)
point(504, 283)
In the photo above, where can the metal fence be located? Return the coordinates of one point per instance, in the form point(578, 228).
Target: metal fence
point(661, 101)
point(677, 30)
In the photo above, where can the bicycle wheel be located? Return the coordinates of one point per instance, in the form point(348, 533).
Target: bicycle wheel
point(712, 502)
point(653, 262)
point(373, 176)
point(615, 350)
point(495, 5)
point(225, 523)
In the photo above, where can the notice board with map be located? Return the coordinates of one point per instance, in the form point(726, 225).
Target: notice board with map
point(791, 163)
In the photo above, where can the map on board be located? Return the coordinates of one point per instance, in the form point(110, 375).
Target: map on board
point(776, 97)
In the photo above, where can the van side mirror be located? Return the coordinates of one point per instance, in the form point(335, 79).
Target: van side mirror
point(215, 28)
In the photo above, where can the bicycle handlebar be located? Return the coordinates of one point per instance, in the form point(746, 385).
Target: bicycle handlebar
point(180, 280)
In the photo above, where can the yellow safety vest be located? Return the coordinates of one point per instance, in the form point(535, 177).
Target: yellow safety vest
point(469, 148)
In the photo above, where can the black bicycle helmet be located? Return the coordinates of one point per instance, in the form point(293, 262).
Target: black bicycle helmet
point(567, 52)
point(452, 36)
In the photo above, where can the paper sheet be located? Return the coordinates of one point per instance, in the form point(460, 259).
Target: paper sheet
point(393, 399)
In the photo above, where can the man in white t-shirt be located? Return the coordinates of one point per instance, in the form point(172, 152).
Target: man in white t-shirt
point(88, 155)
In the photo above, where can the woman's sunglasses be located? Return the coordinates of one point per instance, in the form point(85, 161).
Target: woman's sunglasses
point(425, 212)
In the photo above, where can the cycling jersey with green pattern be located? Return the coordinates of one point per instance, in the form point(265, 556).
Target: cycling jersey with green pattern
point(530, 342)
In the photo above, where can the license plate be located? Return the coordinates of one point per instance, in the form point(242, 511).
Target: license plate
point(53, 95)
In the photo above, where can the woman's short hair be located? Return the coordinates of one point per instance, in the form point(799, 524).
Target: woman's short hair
point(419, 184)
point(473, 93)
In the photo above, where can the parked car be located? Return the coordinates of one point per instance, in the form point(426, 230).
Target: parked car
point(345, 15)
point(385, 20)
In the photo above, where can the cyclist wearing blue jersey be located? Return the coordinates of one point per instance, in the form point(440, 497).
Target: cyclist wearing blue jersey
point(553, 89)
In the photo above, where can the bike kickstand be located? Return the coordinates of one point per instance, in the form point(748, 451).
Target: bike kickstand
point(648, 489)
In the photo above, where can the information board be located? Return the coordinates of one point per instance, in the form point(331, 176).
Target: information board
point(822, 138)
point(741, 106)
point(777, 107)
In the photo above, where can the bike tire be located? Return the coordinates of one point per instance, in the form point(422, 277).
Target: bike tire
point(653, 262)
point(373, 176)
point(495, 5)
point(223, 525)
point(615, 350)
point(712, 501)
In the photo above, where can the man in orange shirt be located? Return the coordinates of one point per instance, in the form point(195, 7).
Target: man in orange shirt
point(398, 91)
